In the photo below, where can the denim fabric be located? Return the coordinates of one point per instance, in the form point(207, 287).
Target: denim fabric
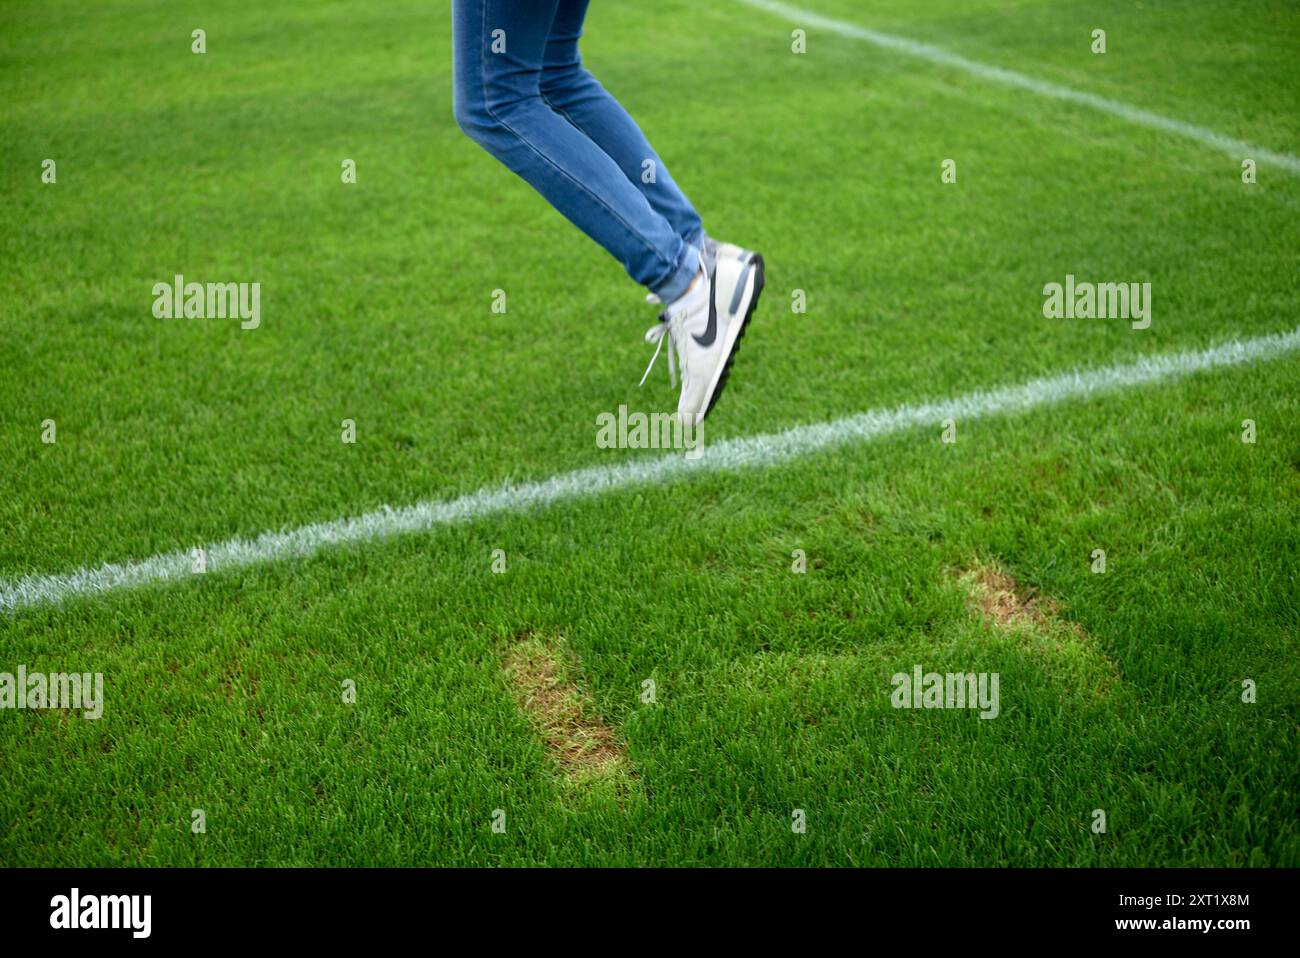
point(522, 93)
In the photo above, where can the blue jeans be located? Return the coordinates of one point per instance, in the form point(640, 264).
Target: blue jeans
point(523, 95)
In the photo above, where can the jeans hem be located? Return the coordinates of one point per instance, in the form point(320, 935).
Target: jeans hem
point(688, 265)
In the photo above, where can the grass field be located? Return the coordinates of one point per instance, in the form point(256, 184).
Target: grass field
point(522, 691)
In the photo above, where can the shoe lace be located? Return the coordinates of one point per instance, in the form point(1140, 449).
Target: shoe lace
point(657, 334)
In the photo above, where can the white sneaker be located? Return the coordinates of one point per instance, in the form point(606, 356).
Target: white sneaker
point(705, 326)
point(714, 250)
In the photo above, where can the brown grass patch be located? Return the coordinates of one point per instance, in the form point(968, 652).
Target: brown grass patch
point(543, 676)
point(1035, 620)
point(1000, 600)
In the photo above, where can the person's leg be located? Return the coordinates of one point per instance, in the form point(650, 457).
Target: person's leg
point(498, 49)
point(574, 93)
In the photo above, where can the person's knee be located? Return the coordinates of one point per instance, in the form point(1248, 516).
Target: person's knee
point(473, 116)
point(558, 83)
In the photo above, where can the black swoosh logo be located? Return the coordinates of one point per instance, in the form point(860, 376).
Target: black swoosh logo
point(711, 330)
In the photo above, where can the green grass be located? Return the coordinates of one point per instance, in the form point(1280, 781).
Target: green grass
point(772, 688)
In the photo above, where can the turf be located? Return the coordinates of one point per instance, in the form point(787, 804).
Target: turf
point(771, 688)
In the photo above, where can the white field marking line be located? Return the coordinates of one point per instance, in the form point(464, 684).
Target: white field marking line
point(1239, 149)
point(730, 454)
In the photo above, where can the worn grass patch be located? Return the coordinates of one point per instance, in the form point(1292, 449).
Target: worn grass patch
point(543, 674)
point(1003, 602)
point(1035, 619)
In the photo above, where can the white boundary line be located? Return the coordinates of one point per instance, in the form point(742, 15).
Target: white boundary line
point(731, 454)
point(1239, 149)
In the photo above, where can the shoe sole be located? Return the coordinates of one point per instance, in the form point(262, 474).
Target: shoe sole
point(746, 309)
